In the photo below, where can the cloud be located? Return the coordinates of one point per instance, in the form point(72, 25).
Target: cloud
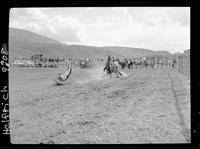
point(25, 14)
point(179, 15)
point(64, 26)
point(27, 18)
point(162, 34)
point(101, 24)
point(28, 26)
point(158, 28)
point(121, 10)
point(57, 27)
point(154, 29)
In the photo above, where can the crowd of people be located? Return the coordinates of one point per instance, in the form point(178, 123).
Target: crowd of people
point(42, 59)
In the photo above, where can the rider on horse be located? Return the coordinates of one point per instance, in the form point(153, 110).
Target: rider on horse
point(112, 66)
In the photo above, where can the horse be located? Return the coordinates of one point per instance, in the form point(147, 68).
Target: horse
point(137, 63)
point(130, 64)
point(145, 63)
point(83, 63)
point(122, 64)
point(112, 67)
point(152, 63)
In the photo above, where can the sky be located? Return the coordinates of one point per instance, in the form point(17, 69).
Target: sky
point(154, 28)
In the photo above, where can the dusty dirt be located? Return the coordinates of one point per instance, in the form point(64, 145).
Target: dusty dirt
point(146, 106)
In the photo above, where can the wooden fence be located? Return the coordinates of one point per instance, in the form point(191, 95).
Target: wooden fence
point(183, 64)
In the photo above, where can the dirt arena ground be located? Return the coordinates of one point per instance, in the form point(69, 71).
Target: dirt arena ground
point(146, 106)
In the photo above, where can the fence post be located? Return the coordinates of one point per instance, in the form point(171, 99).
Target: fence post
point(183, 65)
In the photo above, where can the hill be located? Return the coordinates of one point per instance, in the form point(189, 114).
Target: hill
point(24, 43)
point(27, 36)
